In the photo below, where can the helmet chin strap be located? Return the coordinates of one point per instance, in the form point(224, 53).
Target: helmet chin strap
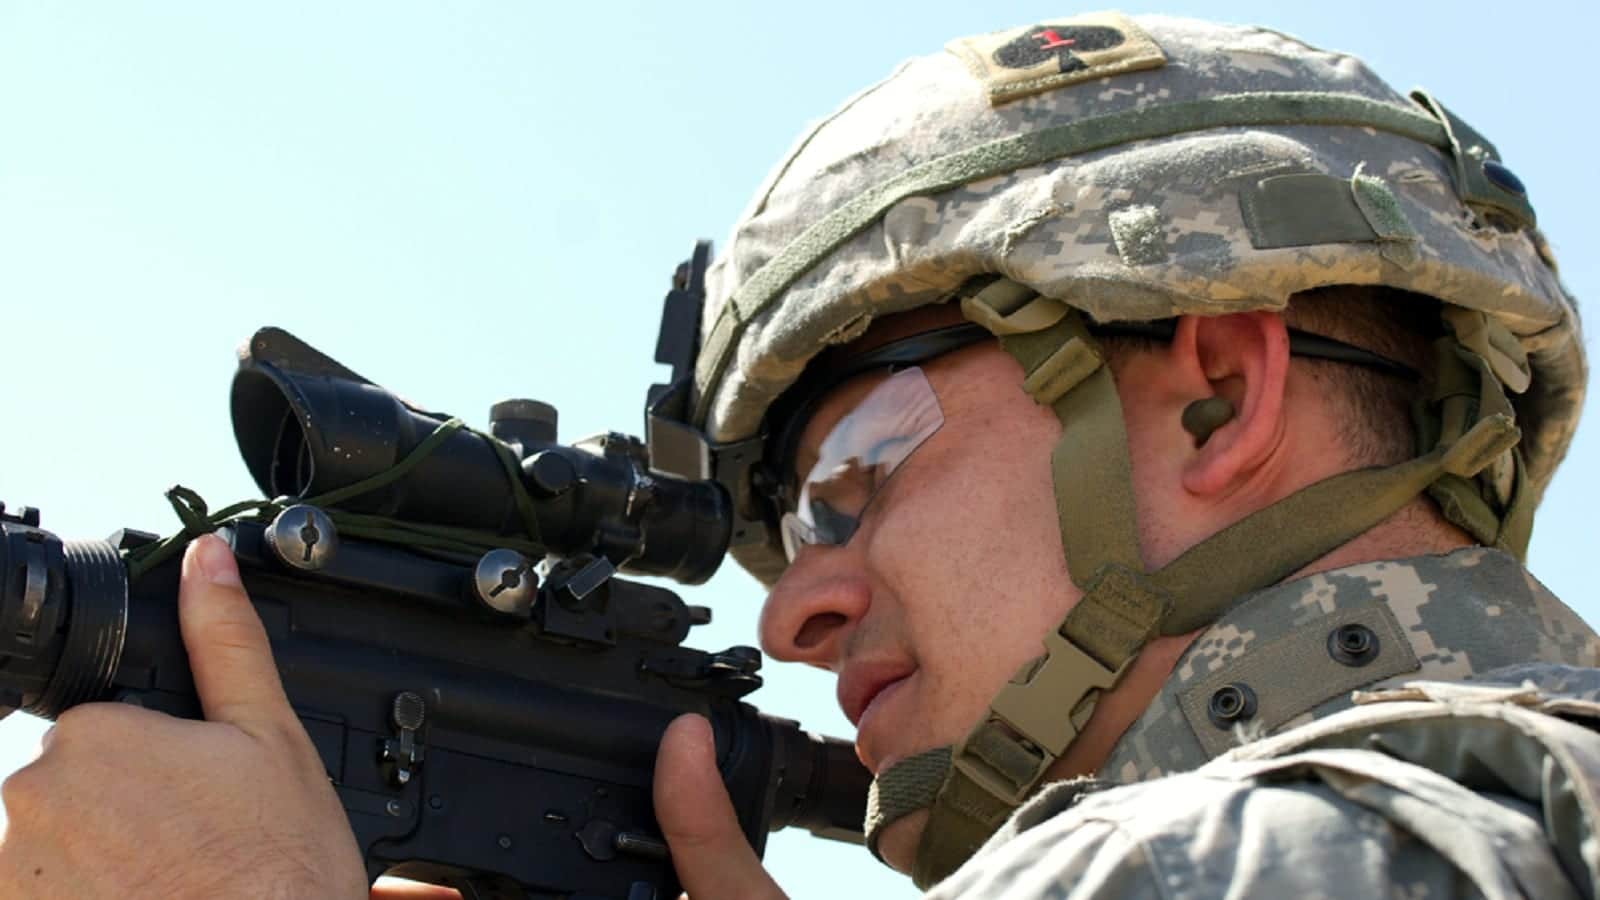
point(973, 787)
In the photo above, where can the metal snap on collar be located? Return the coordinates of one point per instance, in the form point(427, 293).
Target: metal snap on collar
point(1353, 645)
point(1230, 704)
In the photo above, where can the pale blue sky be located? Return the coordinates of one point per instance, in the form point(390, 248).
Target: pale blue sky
point(479, 200)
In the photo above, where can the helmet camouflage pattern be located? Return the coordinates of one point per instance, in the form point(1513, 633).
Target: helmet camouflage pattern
point(1134, 169)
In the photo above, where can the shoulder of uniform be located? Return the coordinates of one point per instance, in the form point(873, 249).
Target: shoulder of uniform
point(1365, 819)
point(1527, 735)
point(1550, 704)
point(1293, 825)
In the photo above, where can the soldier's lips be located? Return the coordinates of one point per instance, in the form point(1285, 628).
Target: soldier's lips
point(875, 725)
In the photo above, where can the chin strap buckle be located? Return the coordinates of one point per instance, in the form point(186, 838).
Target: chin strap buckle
point(1025, 732)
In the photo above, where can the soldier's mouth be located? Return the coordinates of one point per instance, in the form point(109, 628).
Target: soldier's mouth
point(874, 718)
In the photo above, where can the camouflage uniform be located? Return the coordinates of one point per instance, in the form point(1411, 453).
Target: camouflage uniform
point(1446, 779)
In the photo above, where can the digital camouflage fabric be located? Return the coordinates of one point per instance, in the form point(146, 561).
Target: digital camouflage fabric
point(1100, 160)
point(1440, 618)
point(1474, 773)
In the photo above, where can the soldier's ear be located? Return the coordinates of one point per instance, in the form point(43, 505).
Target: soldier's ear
point(1243, 361)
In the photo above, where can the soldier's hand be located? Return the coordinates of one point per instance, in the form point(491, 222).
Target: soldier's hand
point(713, 859)
point(126, 802)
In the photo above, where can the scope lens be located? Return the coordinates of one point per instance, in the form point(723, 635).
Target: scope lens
point(292, 465)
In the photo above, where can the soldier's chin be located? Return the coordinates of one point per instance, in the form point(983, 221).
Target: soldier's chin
point(898, 843)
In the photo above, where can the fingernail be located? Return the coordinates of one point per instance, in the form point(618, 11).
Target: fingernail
point(216, 561)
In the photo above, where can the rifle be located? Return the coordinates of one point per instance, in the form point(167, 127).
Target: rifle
point(443, 608)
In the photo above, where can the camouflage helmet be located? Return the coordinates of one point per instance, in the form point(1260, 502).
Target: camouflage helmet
point(1136, 169)
point(1106, 169)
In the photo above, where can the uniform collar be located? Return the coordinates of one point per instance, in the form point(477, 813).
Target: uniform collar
point(1284, 652)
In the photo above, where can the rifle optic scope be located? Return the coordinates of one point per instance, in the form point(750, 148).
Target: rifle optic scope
point(306, 425)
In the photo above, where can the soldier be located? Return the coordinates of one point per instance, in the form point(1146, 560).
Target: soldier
point(1276, 358)
point(1195, 358)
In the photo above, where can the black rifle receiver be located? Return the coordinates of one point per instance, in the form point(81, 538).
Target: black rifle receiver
point(485, 728)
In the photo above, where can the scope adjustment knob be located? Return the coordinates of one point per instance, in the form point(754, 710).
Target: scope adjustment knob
point(303, 537)
point(506, 582)
point(550, 474)
point(526, 422)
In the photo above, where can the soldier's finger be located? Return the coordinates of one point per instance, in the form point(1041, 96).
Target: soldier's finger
point(710, 853)
point(401, 889)
point(228, 651)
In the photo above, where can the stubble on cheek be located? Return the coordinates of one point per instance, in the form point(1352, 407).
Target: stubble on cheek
point(981, 578)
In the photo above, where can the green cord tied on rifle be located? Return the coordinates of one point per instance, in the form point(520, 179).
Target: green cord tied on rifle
point(197, 520)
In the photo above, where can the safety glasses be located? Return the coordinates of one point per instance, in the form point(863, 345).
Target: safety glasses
point(858, 456)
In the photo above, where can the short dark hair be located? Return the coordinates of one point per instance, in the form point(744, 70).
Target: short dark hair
point(1396, 324)
point(1392, 323)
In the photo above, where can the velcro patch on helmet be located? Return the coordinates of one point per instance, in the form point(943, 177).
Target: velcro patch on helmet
point(1022, 61)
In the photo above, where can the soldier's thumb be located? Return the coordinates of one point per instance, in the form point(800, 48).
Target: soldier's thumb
point(709, 852)
point(228, 651)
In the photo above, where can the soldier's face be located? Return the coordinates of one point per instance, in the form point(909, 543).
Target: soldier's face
point(951, 578)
